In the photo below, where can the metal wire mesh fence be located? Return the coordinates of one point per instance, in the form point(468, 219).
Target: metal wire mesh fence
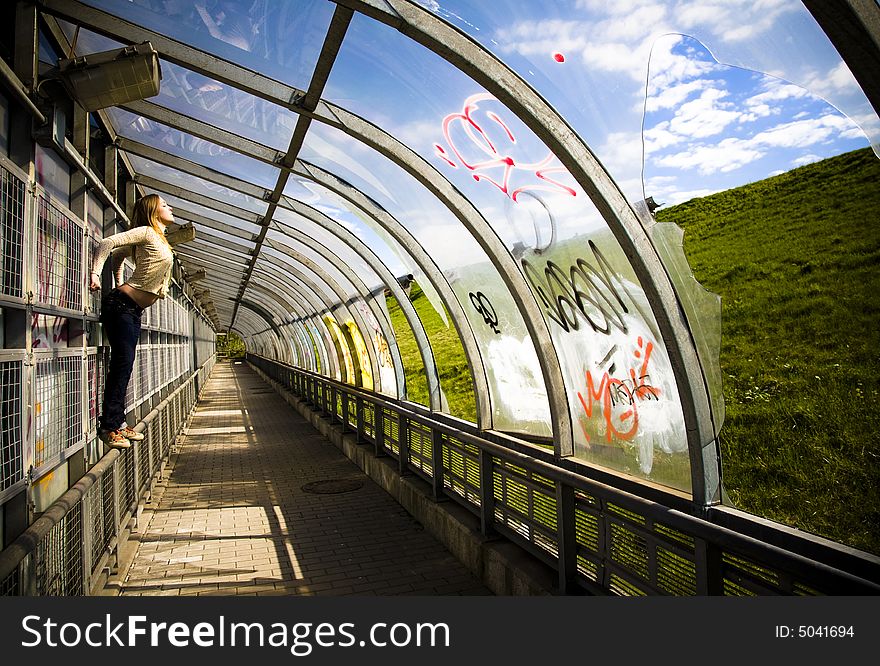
point(11, 402)
point(60, 270)
point(66, 557)
point(12, 217)
point(53, 364)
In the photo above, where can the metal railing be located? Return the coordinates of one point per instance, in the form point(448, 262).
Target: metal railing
point(599, 538)
point(66, 549)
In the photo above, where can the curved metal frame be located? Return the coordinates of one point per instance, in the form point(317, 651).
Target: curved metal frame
point(511, 90)
point(315, 216)
point(366, 295)
point(340, 293)
point(517, 95)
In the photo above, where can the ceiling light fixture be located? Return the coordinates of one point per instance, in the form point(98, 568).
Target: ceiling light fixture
point(111, 78)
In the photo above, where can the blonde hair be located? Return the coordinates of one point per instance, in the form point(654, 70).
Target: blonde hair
point(145, 215)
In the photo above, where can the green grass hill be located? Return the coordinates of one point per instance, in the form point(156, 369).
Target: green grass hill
point(795, 259)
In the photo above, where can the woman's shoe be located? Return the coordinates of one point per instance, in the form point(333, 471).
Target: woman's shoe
point(131, 434)
point(114, 439)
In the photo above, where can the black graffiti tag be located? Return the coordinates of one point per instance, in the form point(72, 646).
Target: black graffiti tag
point(484, 306)
point(585, 292)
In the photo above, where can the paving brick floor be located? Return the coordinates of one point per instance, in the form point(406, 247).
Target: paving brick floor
point(232, 518)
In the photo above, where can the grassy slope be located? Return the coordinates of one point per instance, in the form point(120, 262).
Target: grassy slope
point(795, 260)
point(455, 376)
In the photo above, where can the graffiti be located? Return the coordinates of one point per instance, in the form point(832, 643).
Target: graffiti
point(484, 306)
point(48, 332)
point(539, 220)
point(489, 156)
point(619, 398)
point(586, 292)
point(382, 350)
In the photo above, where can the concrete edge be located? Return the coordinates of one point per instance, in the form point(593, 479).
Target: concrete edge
point(502, 566)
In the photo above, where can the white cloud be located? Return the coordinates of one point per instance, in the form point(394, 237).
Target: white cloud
point(733, 153)
point(660, 137)
point(668, 69)
point(804, 159)
point(420, 136)
point(735, 20)
point(728, 155)
point(672, 96)
point(703, 117)
point(802, 133)
point(832, 84)
point(768, 102)
point(622, 152)
point(617, 58)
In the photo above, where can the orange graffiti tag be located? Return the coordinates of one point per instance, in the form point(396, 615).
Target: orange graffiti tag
point(613, 392)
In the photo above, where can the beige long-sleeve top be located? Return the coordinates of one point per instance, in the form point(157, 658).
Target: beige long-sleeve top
point(153, 259)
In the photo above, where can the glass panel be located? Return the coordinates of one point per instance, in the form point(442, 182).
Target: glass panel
point(711, 127)
point(343, 352)
point(307, 282)
point(272, 275)
point(207, 233)
point(509, 355)
point(278, 38)
point(198, 96)
point(180, 206)
point(192, 148)
point(622, 393)
point(204, 245)
point(197, 185)
point(291, 220)
point(389, 250)
point(307, 252)
point(786, 249)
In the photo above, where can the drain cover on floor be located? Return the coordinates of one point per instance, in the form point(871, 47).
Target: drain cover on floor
point(332, 486)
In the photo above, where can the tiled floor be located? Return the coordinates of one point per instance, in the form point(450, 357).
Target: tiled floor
point(232, 518)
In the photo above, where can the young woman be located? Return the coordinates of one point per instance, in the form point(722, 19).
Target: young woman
point(122, 308)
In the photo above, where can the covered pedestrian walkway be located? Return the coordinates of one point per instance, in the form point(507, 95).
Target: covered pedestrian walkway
point(531, 297)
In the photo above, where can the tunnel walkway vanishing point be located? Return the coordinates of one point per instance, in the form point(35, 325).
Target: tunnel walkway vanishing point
point(255, 501)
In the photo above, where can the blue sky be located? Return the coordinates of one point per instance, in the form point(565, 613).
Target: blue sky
point(709, 126)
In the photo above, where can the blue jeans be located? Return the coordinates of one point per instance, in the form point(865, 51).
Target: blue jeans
point(121, 317)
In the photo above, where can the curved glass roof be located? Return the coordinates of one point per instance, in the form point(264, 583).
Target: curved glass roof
point(494, 162)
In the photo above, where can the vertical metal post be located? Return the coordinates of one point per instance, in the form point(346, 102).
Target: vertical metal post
point(25, 62)
point(487, 494)
point(403, 445)
point(437, 465)
point(708, 562)
point(29, 367)
point(379, 430)
point(359, 420)
point(344, 412)
point(566, 537)
point(86, 546)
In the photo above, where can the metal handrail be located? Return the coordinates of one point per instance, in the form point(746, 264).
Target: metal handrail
point(835, 573)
